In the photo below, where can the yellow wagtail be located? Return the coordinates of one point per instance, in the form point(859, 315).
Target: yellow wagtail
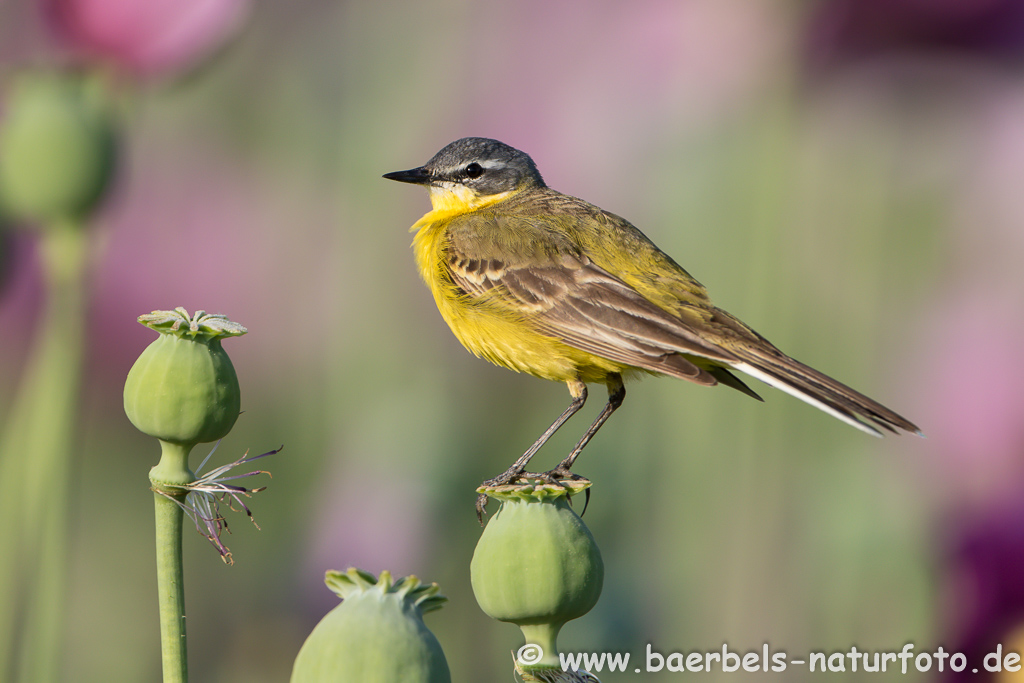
point(540, 282)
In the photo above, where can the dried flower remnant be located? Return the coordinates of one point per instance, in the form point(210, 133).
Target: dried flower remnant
point(202, 504)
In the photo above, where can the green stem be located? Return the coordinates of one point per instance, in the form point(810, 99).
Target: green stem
point(172, 472)
point(166, 477)
point(546, 636)
point(35, 466)
point(170, 589)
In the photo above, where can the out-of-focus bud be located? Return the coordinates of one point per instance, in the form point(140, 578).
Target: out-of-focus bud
point(150, 37)
point(57, 147)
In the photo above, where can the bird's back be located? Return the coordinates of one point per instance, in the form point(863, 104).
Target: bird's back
point(545, 223)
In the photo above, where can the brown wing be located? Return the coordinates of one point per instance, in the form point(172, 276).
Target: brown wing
point(546, 278)
point(571, 299)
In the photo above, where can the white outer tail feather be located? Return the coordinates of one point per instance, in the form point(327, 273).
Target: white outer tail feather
point(806, 398)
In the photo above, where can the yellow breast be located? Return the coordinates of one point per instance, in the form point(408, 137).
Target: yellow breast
point(490, 331)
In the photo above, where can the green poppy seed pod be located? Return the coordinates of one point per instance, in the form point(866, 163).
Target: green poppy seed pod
point(376, 635)
point(536, 565)
point(183, 388)
point(57, 147)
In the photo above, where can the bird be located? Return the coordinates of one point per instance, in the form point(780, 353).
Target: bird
point(547, 284)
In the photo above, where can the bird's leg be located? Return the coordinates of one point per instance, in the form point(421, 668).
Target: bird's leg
point(616, 393)
point(579, 397)
point(578, 390)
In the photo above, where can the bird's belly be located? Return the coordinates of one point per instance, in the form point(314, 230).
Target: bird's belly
point(515, 345)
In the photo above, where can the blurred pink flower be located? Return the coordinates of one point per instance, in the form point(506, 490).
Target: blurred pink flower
point(970, 384)
point(621, 73)
point(983, 563)
point(362, 521)
point(972, 404)
point(148, 37)
point(849, 30)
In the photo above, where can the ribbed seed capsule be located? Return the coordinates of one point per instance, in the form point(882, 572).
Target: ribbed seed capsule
point(376, 635)
point(536, 564)
point(183, 388)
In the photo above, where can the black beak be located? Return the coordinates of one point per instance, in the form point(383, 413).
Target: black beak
point(417, 176)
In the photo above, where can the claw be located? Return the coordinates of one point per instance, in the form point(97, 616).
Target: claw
point(481, 508)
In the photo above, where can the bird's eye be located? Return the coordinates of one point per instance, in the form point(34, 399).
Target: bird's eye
point(474, 170)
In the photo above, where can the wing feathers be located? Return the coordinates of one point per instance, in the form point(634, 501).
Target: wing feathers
point(566, 296)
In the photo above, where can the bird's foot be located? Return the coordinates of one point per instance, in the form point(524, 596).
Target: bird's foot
point(509, 476)
point(558, 476)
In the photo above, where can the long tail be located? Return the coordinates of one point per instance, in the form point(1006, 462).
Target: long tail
point(821, 391)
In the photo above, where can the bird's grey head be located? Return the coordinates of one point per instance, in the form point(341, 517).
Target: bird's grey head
point(484, 166)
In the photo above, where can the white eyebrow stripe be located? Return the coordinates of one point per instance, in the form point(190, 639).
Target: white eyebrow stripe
point(492, 163)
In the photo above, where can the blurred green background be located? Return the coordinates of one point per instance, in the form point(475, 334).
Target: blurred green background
point(858, 202)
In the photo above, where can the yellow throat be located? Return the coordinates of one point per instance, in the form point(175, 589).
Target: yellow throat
point(452, 199)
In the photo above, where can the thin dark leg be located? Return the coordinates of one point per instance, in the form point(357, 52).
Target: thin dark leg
point(578, 390)
point(579, 397)
point(616, 393)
